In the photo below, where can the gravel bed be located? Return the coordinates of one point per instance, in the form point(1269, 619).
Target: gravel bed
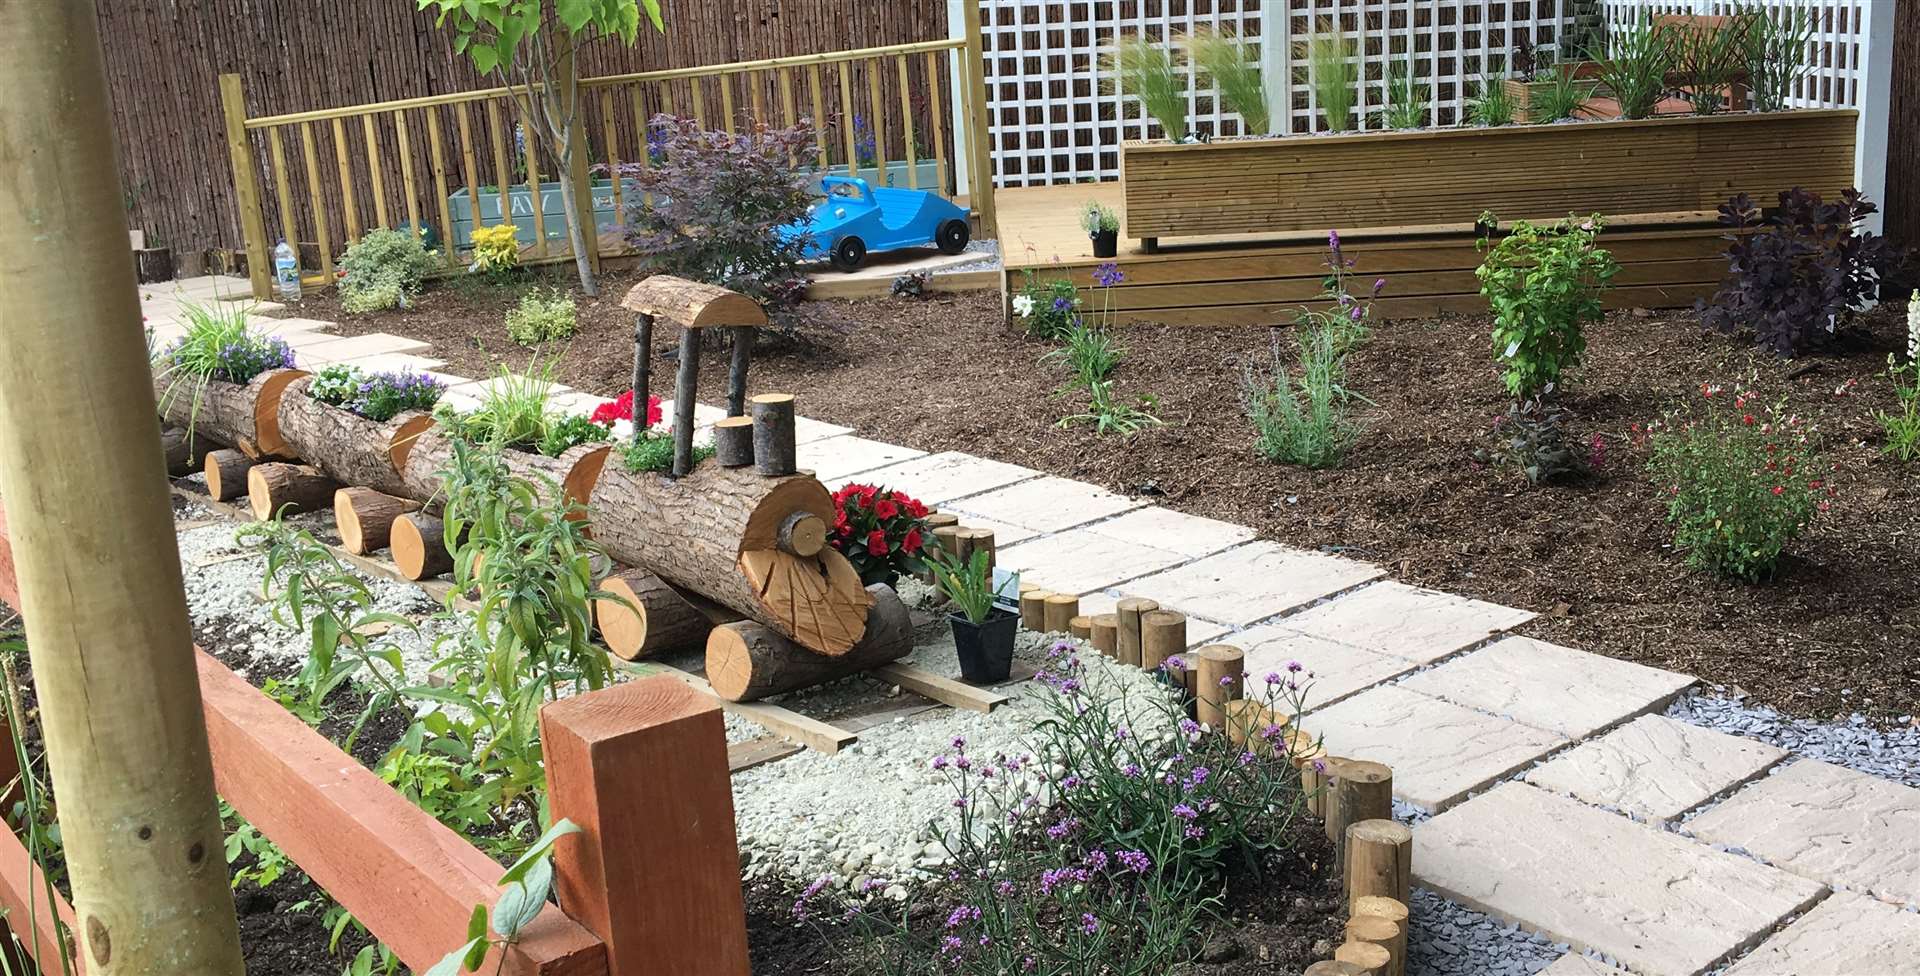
point(1447, 939)
point(1892, 754)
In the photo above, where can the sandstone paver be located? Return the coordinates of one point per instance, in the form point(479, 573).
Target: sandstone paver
point(1330, 670)
point(1253, 582)
point(1045, 504)
point(1004, 534)
point(936, 479)
point(290, 326)
point(395, 362)
point(1845, 935)
point(1829, 823)
point(1407, 621)
point(340, 349)
point(704, 415)
point(1656, 767)
point(1164, 528)
point(1551, 687)
point(1576, 964)
point(847, 457)
point(806, 429)
point(1079, 561)
point(1659, 903)
point(1439, 751)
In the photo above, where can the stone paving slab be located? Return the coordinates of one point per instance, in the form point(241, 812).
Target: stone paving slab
point(1575, 964)
point(936, 479)
point(395, 362)
point(704, 415)
point(1655, 767)
point(1550, 687)
point(354, 347)
point(1080, 561)
point(1163, 528)
point(1828, 823)
point(1418, 624)
point(849, 457)
point(1331, 671)
point(480, 388)
point(289, 326)
point(1659, 903)
point(1004, 534)
point(1045, 504)
point(1439, 751)
point(1253, 582)
point(1845, 935)
point(806, 430)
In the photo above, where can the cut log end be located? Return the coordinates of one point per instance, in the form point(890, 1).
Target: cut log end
point(364, 518)
point(276, 489)
point(747, 661)
point(803, 534)
point(774, 451)
point(733, 442)
point(644, 616)
point(419, 544)
point(227, 473)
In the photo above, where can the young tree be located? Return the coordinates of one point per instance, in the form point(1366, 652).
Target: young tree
point(530, 44)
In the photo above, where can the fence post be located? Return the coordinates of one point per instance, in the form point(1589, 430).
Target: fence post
point(246, 186)
point(979, 139)
point(655, 873)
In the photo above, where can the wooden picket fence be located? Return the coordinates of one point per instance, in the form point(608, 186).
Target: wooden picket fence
point(337, 173)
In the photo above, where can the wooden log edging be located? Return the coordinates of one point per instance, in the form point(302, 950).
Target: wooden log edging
point(365, 517)
point(245, 416)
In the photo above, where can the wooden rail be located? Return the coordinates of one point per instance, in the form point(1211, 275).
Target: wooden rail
point(360, 167)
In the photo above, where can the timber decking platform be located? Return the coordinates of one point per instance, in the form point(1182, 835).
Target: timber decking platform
point(1666, 261)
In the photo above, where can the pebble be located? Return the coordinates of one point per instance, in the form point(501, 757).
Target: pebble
point(1447, 939)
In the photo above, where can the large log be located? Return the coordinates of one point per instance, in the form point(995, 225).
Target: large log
point(716, 532)
point(576, 470)
point(246, 416)
point(645, 616)
point(182, 460)
point(347, 447)
point(287, 489)
point(364, 517)
point(747, 661)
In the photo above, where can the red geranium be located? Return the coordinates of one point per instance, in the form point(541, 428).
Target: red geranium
point(622, 409)
point(879, 531)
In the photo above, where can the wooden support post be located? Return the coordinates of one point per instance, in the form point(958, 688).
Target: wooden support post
point(1033, 608)
point(979, 135)
point(246, 187)
point(737, 369)
point(1372, 959)
point(685, 389)
point(1216, 670)
point(642, 365)
point(774, 451)
point(1392, 910)
point(1361, 791)
point(1060, 608)
point(655, 871)
point(95, 567)
point(1106, 633)
point(733, 442)
point(1130, 610)
point(1163, 634)
point(1379, 861)
point(1311, 759)
point(1081, 627)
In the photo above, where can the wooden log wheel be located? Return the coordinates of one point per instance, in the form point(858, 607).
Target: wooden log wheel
point(364, 517)
point(245, 416)
point(350, 448)
point(646, 616)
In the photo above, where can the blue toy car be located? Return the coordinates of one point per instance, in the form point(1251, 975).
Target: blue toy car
point(856, 218)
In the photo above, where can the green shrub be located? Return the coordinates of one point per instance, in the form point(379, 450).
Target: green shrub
point(1050, 310)
point(541, 317)
point(1743, 480)
point(571, 431)
point(1634, 70)
point(653, 451)
point(382, 270)
point(1302, 420)
point(1544, 284)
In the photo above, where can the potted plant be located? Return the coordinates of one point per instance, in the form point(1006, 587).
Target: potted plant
point(983, 631)
point(880, 532)
point(1103, 226)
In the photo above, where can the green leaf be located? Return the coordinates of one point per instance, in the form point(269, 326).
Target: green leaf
point(574, 13)
point(522, 901)
point(539, 850)
point(454, 963)
point(477, 922)
point(485, 59)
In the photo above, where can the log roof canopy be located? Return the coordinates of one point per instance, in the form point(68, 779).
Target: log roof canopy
point(692, 304)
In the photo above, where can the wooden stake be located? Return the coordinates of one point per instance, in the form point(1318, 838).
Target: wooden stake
point(94, 555)
point(1060, 608)
point(1361, 791)
point(979, 540)
point(279, 489)
point(1033, 608)
point(1379, 861)
point(1130, 610)
point(419, 544)
point(947, 539)
point(1217, 670)
point(1372, 959)
point(227, 473)
point(686, 386)
point(1311, 759)
point(935, 520)
point(364, 518)
point(1081, 627)
point(642, 366)
point(774, 451)
point(737, 370)
point(733, 442)
point(1163, 634)
point(1393, 912)
point(1105, 633)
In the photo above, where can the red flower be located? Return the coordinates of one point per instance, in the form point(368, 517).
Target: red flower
point(1779, 489)
point(915, 509)
point(885, 508)
point(876, 543)
point(840, 526)
point(911, 544)
point(622, 409)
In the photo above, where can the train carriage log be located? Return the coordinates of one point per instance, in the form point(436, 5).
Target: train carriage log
point(244, 415)
point(645, 616)
point(347, 447)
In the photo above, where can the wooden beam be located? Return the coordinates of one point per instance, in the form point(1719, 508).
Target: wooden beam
point(810, 732)
point(655, 872)
point(410, 879)
point(941, 689)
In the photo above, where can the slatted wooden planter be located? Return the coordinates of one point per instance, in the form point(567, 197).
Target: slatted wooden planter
point(1449, 176)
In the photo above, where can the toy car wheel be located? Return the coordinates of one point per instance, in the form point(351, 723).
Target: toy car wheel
point(848, 254)
point(952, 236)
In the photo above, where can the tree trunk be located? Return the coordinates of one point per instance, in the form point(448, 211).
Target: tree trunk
point(432, 453)
point(246, 416)
point(747, 662)
point(646, 616)
point(574, 472)
point(349, 448)
point(365, 517)
point(287, 489)
point(715, 532)
point(576, 234)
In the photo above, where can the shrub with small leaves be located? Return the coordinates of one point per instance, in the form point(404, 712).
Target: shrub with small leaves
point(382, 270)
point(1533, 437)
point(1544, 283)
point(653, 451)
point(541, 317)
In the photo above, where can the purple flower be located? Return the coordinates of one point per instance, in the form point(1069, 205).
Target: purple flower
point(1273, 677)
point(1120, 734)
point(1097, 859)
point(1293, 666)
point(1319, 766)
point(962, 915)
point(1070, 782)
point(1378, 284)
point(1108, 275)
point(1174, 663)
point(1054, 877)
point(1136, 861)
point(1197, 777)
point(939, 762)
point(1356, 313)
point(962, 763)
point(1063, 827)
point(800, 904)
point(1131, 771)
point(951, 945)
point(959, 743)
point(1246, 759)
point(1062, 304)
point(1228, 681)
point(1004, 888)
point(1189, 726)
point(1333, 242)
point(1184, 811)
point(1088, 923)
point(1195, 832)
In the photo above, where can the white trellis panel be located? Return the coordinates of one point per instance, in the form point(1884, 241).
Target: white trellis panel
point(1834, 57)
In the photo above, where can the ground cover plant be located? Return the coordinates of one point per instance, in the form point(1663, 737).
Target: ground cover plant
point(541, 317)
point(384, 269)
point(1544, 284)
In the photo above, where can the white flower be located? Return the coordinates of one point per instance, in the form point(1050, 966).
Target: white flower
point(1913, 328)
point(1023, 305)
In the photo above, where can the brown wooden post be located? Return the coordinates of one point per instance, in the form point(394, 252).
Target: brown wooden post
point(685, 389)
point(979, 134)
point(655, 872)
point(110, 639)
point(589, 222)
point(246, 187)
point(642, 364)
point(737, 370)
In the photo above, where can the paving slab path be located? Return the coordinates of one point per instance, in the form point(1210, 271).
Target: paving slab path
point(1555, 795)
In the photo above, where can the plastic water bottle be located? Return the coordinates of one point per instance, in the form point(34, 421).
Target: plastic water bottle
point(286, 272)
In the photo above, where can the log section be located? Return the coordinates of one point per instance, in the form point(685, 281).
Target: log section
point(364, 517)
point(347, 447)
point(227, 473)
point(276, 489)
point(646, 616)
point(747, 661)
point(244, 415)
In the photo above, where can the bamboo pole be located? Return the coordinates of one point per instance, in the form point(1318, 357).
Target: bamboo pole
point(787, 117)
point(757, 98)
point(470, 167)
point(246, 187)
point(726, 102)
point(112, 659)
point(933, 118)
point(438, 148)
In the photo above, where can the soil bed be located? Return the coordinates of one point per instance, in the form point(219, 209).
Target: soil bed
point(1831, 636)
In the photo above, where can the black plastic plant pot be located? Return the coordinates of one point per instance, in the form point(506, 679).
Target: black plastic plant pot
point(1106, 244)
point(986, 648)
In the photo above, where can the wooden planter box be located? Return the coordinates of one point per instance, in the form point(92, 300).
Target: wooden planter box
point(1447, 177)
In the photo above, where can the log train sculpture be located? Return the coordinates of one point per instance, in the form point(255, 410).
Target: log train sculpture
point(732, 552)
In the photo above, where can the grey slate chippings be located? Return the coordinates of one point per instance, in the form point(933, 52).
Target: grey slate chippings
point(1450, 940)
point(1891, 754)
